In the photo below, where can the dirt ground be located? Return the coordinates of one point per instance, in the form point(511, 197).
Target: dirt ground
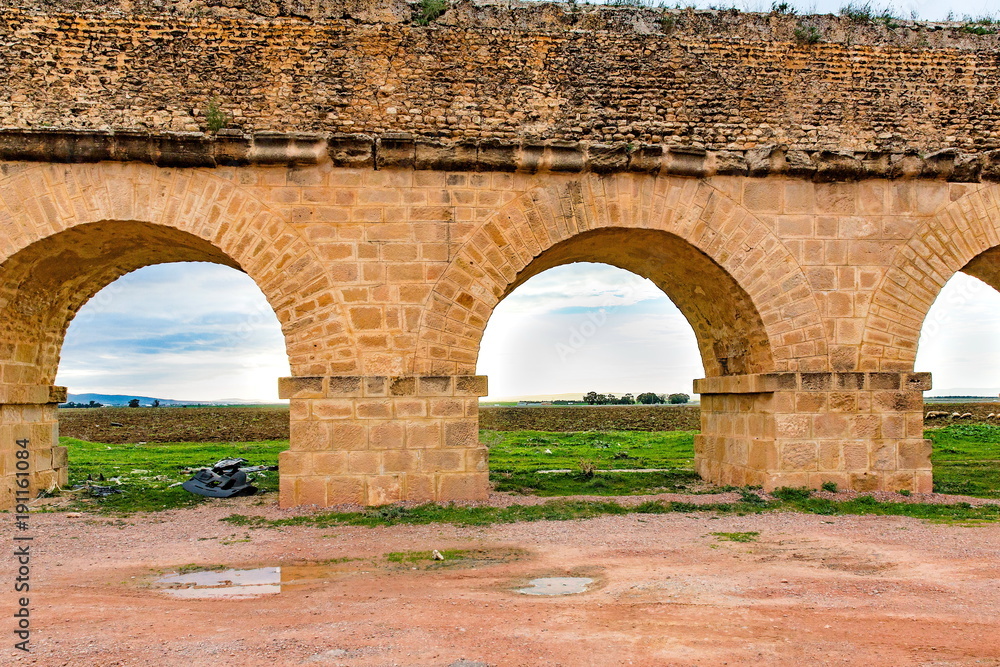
point(813, 590)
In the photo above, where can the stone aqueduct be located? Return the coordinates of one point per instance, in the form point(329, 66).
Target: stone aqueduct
point(802, 204)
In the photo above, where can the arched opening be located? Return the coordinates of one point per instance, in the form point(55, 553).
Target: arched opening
point(42, 288)
point(729, 331)
point(190, 332)
point(587, 326)
point(724, 333)
point(958, 345)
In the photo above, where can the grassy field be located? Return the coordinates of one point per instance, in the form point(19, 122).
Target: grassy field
point(966, 460)
point(517, 456)
point(962, 514)
point(146, 450)
point(145, 472)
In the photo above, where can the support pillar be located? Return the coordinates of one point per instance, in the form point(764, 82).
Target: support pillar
point(863, 431)
point(377, 440)
point(28, 413)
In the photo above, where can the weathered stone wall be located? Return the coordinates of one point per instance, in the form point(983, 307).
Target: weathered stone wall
point(394, 273)
point(717, 80)
point(861, 431)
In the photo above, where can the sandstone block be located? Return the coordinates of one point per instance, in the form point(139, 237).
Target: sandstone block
point(364, 463)
point(463, 486)
point(423, 434)
point(344, 490)
point(799, 456)
point(301, 387)
point(388, 435)
point(444, 460)
point(420, 487)
point(332, 408)
point(294, 463)
point(384, 489)
point(398, 461)
point(311, 490)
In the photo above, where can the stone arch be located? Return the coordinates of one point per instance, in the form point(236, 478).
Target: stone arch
point(737, 284)
point(962, 236)
point(108, 219)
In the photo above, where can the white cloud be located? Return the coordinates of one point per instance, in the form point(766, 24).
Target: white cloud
point(582, 327)
point(591, 286)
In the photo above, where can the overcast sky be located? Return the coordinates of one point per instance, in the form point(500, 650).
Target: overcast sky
point(202, 331)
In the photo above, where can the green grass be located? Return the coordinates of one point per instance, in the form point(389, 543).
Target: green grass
point(737, 537)
point(145, 472)
point(966, 460)
point(517, 456)
point(567, 510)
point(600, 484)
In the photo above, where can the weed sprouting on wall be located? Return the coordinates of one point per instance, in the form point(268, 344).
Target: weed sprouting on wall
point(215, 117)
point(429, 10)
point(865, 13)
point(808, 34)
point(984, 25)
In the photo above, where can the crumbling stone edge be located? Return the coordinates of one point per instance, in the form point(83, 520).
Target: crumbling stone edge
point(404, 151)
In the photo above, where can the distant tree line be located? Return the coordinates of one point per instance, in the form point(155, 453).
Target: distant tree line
point(648, 398)
point(134, 403)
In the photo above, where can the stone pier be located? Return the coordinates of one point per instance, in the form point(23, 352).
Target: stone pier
point(378, 440)
point(28, 413)
point(861, 431)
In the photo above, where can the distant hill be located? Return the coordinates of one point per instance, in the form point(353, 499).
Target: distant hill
point(114, 400)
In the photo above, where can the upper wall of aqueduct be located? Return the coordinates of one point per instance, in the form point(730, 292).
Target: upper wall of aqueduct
point(801, 199)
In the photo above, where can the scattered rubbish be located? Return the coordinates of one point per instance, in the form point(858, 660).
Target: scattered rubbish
point(228, 478)
point(436, 555)
point(557, 586)
point(97, 491)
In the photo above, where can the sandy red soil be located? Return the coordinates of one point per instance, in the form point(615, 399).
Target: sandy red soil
point(812, 591)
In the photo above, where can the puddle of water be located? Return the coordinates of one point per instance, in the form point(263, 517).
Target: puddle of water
point(222, 591)
point(270, 580)
point(244, 583)
point(222, 583)
point(557, 586)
